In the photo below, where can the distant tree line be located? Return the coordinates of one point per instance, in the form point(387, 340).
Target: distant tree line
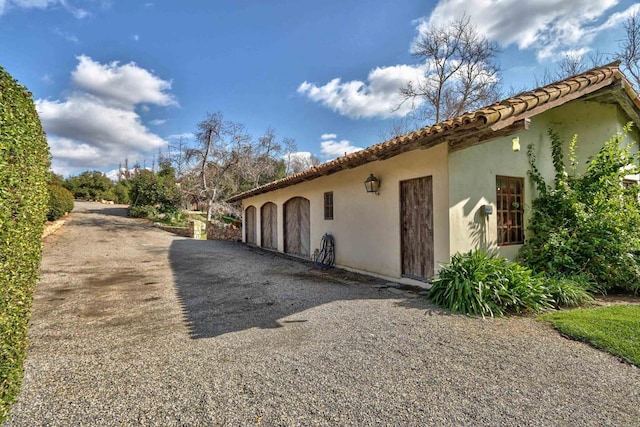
point(223, 160)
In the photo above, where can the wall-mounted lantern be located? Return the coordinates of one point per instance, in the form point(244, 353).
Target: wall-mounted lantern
point(372, 184)
point(515, 143)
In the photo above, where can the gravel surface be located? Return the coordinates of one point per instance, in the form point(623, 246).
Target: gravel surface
point(135, 326)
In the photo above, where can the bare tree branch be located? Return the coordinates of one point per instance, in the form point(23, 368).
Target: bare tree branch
point(226, 159)
point(629, 52)
point(462, 72)
point(572, 64)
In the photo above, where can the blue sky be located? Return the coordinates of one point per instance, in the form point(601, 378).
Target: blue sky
point(122, 79)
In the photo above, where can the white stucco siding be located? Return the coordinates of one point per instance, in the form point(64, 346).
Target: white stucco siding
point(473, 171)
point(366, 227)
point(472, 183)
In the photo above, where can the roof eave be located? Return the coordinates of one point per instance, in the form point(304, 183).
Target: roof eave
point(508, 116)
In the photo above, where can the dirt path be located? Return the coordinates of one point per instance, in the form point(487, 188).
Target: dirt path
point(135, 326)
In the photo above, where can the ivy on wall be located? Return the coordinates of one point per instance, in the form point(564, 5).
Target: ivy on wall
point(587, 224)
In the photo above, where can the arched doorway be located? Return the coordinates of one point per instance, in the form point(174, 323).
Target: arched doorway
point(297, 226)
point(269, 226)
point(250, 225)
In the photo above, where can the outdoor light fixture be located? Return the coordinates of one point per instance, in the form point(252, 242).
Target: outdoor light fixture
point(515, 143)
point(372, 184)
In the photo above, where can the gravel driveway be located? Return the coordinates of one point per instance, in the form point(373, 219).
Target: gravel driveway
point(135, 326)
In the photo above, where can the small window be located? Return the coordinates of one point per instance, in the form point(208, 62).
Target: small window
point(328, 205)
point(509, 210)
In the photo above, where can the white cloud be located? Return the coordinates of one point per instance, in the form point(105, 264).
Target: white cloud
point(77, 12)
point(378, 97)
point(551, 27)
point(114, 174)
point(66, 36)
point(326, 136)
point(176, 136)
point(299, 155)
point(124, 85)
point(331, 147)
point(99, 129)
point(157, 122)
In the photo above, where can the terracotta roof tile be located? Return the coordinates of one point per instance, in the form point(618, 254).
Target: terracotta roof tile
point(512, 108)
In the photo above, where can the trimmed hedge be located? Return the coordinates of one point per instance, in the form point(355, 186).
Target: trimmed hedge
point(60, 202)
point(24, 173)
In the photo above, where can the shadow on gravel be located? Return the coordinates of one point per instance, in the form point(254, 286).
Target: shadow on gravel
point(227, 287)
point(103, 217)
point(110, 211)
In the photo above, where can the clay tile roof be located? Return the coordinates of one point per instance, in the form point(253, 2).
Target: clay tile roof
point(517, 107)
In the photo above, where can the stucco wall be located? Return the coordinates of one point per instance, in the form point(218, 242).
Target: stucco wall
point(473, 170)
point(366, 227)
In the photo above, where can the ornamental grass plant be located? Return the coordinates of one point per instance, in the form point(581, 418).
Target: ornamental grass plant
point(481, 284)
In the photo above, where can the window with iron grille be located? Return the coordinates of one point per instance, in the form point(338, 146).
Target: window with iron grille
point(328, 205)
point(509, 210)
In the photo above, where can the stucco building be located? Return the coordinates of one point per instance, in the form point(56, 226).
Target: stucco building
point(446, 188)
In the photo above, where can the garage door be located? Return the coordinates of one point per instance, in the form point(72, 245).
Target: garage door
point(269, 226)
point(250, 224)
point(296, 226)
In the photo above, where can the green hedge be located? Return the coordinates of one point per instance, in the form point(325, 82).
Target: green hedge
point(60, 202)
point(24, 173)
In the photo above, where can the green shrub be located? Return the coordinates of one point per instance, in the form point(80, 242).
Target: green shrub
point(569, 291)
point(587, 224)
point(172, 217)
point(24, 173)
point(121, 192)
point(156, 189)
point(477, 283)
point(60, 202)
point(143, 211)
point(91, 185)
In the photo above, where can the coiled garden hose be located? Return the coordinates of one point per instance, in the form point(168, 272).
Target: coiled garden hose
point(325, 258)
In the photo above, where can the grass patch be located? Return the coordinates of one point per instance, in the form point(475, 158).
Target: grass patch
point(613, 329)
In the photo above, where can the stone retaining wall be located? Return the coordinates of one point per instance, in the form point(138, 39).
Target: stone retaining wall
point(198, 230)
point(180, 231)
point(219, 232)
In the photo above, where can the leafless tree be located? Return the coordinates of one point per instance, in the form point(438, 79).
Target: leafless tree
point(399, 127)
point(220, 147)
point(298, 163)
point(462, 72)
point(177, 156)
point(265, 160)
point(629, 52)
point(572, 64)
point(226, 159)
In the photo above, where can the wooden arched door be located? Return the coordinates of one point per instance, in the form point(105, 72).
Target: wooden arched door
point(250, 225)
point(297, 226)
point(269, 226)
